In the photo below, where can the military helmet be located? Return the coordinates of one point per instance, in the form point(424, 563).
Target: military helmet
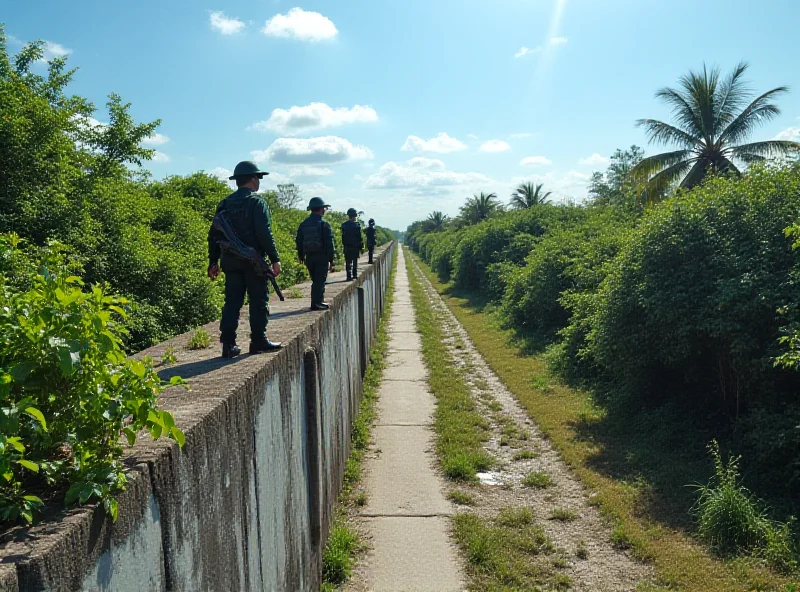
point(246, 168)
point(352, 212)
point(372, 221)
point(316, 203)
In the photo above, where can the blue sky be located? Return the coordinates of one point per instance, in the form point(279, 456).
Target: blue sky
point(403, 108)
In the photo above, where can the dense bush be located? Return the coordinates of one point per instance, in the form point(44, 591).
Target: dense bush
point(67, 391)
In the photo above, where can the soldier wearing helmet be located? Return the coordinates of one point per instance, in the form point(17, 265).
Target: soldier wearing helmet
point(353, 243)
point(371, 238)
point(249, 217)
point(315, 248)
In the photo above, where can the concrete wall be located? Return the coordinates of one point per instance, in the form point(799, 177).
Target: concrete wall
point(247, 503)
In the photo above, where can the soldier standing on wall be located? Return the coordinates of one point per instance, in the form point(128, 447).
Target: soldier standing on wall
point(249, 217)
point(371, 238)
point(352, 243)
point(315, 248)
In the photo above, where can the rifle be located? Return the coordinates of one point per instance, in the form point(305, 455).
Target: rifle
point(237, 248)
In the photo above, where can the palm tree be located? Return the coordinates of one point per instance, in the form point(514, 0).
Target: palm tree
point(711, 121)
point(436, 221)
point(528, 195)
point(480, 207)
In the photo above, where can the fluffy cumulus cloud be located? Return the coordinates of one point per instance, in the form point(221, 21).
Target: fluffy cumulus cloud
point(225, 25)
point(535, 161)
point(495, 146)
point(155, 140)
point(160, 157)
point(595, 160)
point(297, 120)
point(220, 173)
point(792, 134)
point(441, 144)
point(325, 150)
point(302, 25)
point(309, 171)
point(54, 50)
point(422, 174)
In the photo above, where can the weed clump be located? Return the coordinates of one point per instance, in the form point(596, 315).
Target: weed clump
point(200, 339)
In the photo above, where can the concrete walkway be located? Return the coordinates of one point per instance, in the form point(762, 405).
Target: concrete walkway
point(407, 515)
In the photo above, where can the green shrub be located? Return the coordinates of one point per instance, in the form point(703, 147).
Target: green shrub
point(538, 479)
point(336, 558)
point(57, 338)
point(731, 520)
point(200, 339)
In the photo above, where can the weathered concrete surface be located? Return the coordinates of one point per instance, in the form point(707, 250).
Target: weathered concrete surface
point(414, 555)
point(246, 504)
point(406, 512)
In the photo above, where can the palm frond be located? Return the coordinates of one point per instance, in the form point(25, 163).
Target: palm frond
point(651, 165)
point(701, 88)
point(695, 176)
point(758, 111)
point(655, 188)
point(682, 110)
point(732, 94)
point(659, 132)
point(767, 149)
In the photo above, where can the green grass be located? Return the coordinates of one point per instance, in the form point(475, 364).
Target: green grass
point(515, 557)
point(168, 357)
point(637, 471)
point(524, 455)
point(514, 517)
point(537, 479)
point(462, 498)
point(460, 428)
point(563, 515)
point(200, 339)
point(343, 543)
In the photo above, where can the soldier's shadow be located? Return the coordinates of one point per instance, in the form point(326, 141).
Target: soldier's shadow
point(193, 369)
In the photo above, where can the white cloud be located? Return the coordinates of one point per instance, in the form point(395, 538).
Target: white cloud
point(220, 173)
point(792, 134)
point(442, 144)
point(521, 135)
point(472, 136)
point(324, 150)
point(535, 161)
point(155, 140)
point(558, 40)
point(223, 24)
point(54, 50)
point(594, 160)
point(309, 171)
point(297, 120)
point(495, 146)
point(421, 174)
point(160, 157)
point(300, 24)
point(523, 51)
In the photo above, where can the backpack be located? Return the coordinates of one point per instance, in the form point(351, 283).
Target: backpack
point(312, 239)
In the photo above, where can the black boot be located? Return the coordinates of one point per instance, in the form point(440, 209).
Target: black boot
point(260, 347)
point(230, 350)
point(320, 306)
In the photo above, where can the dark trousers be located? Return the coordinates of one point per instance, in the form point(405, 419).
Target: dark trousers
point(371, 251)
point(236, 285)
point(351, 261)
point(317, 266)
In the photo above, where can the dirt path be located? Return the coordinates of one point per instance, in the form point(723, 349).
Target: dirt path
point(590, 559)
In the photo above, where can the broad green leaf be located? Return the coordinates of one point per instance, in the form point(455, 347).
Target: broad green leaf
point(66, 361)
point(178, 436)
point(156, 431)
point(130, 435)
point(138, 368)
point(167, 420)
point(8, 475)
point(33, 499)
point(21, 371)
point(31, 466)
point(112, 508)
point(38, 416)
point(16, 443)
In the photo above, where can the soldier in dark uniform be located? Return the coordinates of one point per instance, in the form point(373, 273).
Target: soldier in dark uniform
point(371, 238)
point(353, 243)
point(249, 216)
point(315, 248)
